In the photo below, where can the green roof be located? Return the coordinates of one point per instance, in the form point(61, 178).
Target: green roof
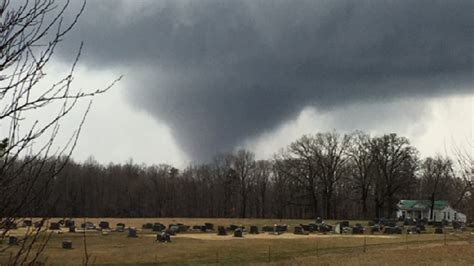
point(422, 204)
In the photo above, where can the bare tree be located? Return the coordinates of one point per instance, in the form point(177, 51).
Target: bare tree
point(330, 156)
point(396, 162)
point(362, 167)
point(263, 172)
point(436, 175)
point(29, 34)
point(244, 166)
point(298, 163)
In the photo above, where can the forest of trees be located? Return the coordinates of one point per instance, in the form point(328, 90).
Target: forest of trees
point(327, 175)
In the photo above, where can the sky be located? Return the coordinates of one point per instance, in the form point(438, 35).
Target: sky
point(202, 77)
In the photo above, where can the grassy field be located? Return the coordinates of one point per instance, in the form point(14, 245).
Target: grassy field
point(207, 248)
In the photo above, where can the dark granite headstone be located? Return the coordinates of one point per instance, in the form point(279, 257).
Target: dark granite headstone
point(392, 230)
point(232, 227)
point(305, 227)
point(300, 231)
point(238, 232)
point(209, 226)
point(221, 231)
point(27, 223)
point(67, 244)
point(147, 226)
point(69, 223)
point(163, 237)
point(438, 224)
point(313, 227)
point(324, 228)
point(267, 228)
point(414, 230)
point(158, 227)
point(132, 232)
point(9, 225)
point(456, 225)
point(72, 229)
point(358, 229)
point(54, 226)
point(254, 229)
point(12, 240)
point(344, 223)
point(104, 225)
point(281, 228)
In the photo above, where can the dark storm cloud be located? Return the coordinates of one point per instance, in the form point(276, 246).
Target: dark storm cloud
point(218, 72)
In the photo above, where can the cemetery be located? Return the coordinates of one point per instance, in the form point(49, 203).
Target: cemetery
point(200, 236)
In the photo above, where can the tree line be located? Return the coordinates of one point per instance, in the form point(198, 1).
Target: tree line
point(326, 175)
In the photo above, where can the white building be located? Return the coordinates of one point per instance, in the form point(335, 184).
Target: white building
point(419, 209)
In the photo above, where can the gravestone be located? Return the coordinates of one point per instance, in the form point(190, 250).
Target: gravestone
point(374, 229)
point(337, 229)
point(305, 227)
point(267, 228)
point(9, 225)
point(72, 229)
point(88, 226)
point(300, 231)
point(357, 229)
point(221, 231)
point(182, 228)
point(174, 229)
point(69, 223)
point(209, 226)
point(456, 225)
point(344, 223)
point(147, 226)
point(324, 228)
point(197, 227)
point(27, 223)
point(438, 230)
point(104, 225)
point(12, 240)
point(54, 226)
point(158, 227)
point(281, 228)
point(163, 237)
point(389, 230)
point(313, 228)
point(438, 224)
point(67, 244)
point(120, 227)
point(232, 227)
point(238, 232)
point(414, 230)
point(421, 226)
point(132, 232)
point(254, 229)
point(319, 220)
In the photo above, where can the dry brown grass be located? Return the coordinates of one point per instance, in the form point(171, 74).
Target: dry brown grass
point(200, 248)
point(437, 254)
